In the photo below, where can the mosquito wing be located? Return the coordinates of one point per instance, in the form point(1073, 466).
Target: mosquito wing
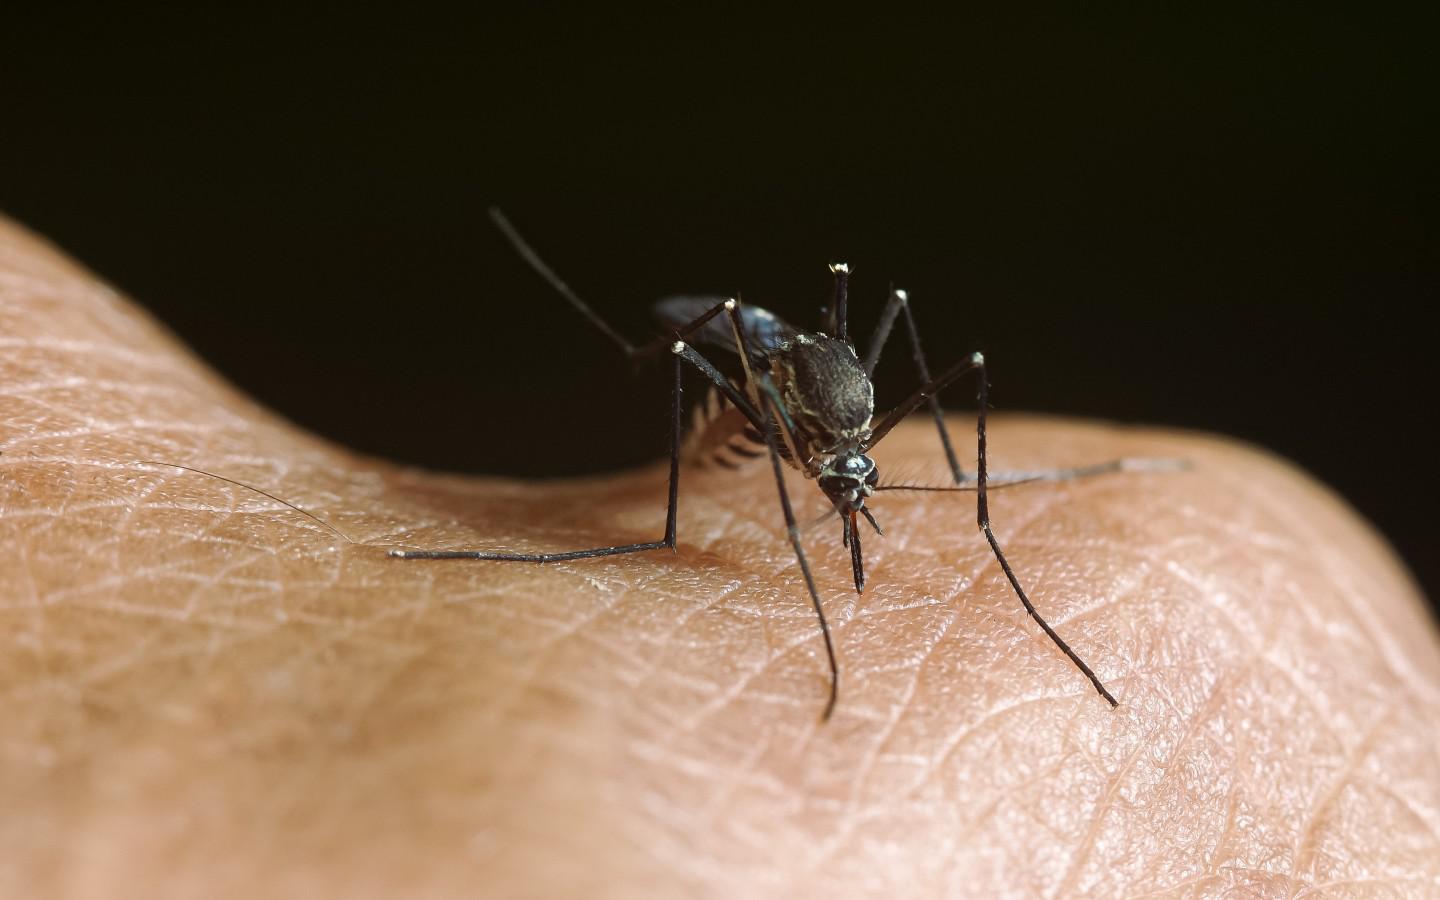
point(764, 331)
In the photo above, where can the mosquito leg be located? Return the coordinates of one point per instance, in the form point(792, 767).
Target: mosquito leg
point(528, 254)
point(686, 352)
point(839, 324)
point(982, 508)
point(926, 391)
point(682, 352)
point(898, 304)
point(1074, 473)
point(765, 395)
point(881, 334)
point(542, 269)
point(767, 427)
point(794, 532)
point(671, 509)
point(664, 340)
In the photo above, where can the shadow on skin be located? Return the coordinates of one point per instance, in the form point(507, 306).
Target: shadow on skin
point(208, 694)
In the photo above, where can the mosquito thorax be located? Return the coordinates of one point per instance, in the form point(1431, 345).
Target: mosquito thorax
point(826, 391)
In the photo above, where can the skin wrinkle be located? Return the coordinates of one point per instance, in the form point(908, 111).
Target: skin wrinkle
point(691, 724)
point(1216, 704)
point(1304, 849)
point(1103, 806)
point(207, 693)
point(1426, 818)
point(662, 656)
point(1388, 651)
point(891, 723)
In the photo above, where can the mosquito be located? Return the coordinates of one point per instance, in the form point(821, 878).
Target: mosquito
point(804, 399)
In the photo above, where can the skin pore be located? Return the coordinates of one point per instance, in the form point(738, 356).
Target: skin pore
point(208, 694)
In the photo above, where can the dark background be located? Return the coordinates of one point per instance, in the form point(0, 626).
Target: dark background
point(1226, 224)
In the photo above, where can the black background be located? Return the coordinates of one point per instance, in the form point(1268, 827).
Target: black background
point(1226, 224)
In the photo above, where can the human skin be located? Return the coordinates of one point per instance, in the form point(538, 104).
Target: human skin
point(207, 694)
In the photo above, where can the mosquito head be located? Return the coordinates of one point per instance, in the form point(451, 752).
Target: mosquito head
point(848, 479)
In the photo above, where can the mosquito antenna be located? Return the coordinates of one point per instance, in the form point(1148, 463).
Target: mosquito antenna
point(528, 254)
point(250, 487)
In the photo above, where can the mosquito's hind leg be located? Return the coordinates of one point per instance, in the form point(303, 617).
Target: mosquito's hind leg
point(527, 253)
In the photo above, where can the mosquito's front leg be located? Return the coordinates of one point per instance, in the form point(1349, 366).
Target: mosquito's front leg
point(775, 410)
point(976, 362)
point(899, 304)
point(982, 514)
